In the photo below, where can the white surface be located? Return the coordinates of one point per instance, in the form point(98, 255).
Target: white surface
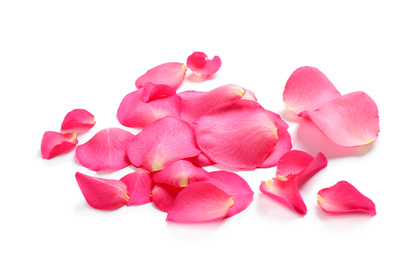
point(56, 56)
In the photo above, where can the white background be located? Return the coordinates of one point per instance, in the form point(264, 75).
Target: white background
point(59, 55)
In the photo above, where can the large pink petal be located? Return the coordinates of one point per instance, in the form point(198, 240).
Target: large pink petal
point(239, 134)
point(170, 74)
point(152, 91)
point(235, 186)
point(55, 143)
point(163, 196)
point(78, 118)
point(344, 198)
point(199, 63)
point(307, 89)
point(102, 193)
point(180, 174)
point(139, 186)
point(350, 120)
point(134, 112)
point(200, 202)
point(161, 143)
point(105, 150)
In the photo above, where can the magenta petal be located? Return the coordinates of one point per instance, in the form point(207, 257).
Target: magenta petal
point(344, 198)
point(199, 63)
point(102, 193)
point(163, 196)
point(350, 120)
point(55, 143)
point(284, 144)
point(161, 143)
point(235, 186)
point(170, 74)
point(105, 150)
point(139, 186)
point(307, 89)
point(78, 118)
point(201, 160)
point(200, 202)
point(180, 174)
point(152, 91)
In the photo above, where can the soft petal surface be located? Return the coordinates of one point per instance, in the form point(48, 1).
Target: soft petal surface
point(134, 112)
point(78, 118)
point(180, 174)
point(171, 74)
point(200, 202)
point(235, 186)
point(55, 143)
point(344, 198)
point(163, 196)
point(284, 144)
point(105, 150)
point(161, 143)
point(307, 89)
point(201, 160)
point(152, 91)
point(102, 193)
point(351, 120)
point(202, 66)
point(238, 135)
point(139, 187)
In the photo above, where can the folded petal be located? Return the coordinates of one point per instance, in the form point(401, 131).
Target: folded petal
point(105, 150)
point(200, 202)
point(139, 187)
point(285, 192)
point(163, 196)
point(350, 120)
point(202, 66)
point(307, 89)
point(344, 198)
point(153, 91)
point(170, 74)
point(55, 143)
point(78, 118)
point(134, 112)
point(201, 160)
point(180, 174)
point(102, 193)
point(235, 186)
point(161, 143)
point(238, 135)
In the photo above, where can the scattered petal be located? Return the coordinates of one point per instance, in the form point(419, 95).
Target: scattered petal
point(199, 63)
point(55, 143)
point(171, 74)
point(139, 186)
point(163, 196)
point(201, 160)
point(153, 91)
point(78, 118)
point(180, 174)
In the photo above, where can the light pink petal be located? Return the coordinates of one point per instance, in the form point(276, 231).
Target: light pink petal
point(170, 74)
point(105, 150)
point(134, 112)
point(285, 192)
point(102, 193)
point(55, 143)
point(152, 91)
point(180, 174)
point(284, 144)
point(163, 196)
point(351, 120)
point(78, 118)
point(344, 198)
point(238, 135)
point(307, 89)
point(202, 66)
point(200, 202)
point(139, 186)
point(201, 160)
point(161, 143)
point(235, 186)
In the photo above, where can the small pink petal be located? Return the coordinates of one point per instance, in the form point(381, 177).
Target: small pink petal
point(307, 89)
point(180, 174)
point(134, 112)
point(102, 193)
point(153, 91)
point(285, 192)
point(55, 143)
point(201, 160)
point(105, 150)
point(235, 186)
point(171, 74)
point(78, 118)
point(161, 143)
point(163, 196)
point(344, 198)
point(139, 186)
point(200, 202)
point(199, 63)
point(351, 120)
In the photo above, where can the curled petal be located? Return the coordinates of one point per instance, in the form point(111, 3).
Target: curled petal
point(163, 196)
point(180, 174)
point(55, 143)
point(199, 63)
point(78, 118)
point(139, 187)
point(344, 198)
point(102, 193)
point(170, 74)
point(153, 91)
point(105, 150)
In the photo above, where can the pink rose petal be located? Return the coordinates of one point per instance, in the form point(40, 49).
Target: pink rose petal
point(163, 196)
point(102, 193)
point(139, 186)
point(180, 174)
point(201, 160)
point(152, 91)
point(199, 63)
point(78, 118)
point(344, 198)
point(105, 150)
point(55, 143)
point(171, 74)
